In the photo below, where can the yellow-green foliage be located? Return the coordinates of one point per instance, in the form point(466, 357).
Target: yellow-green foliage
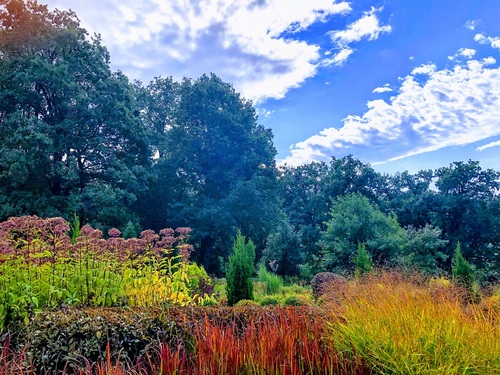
point(41, 267)
point(161, 283)
point(246, 302)
point(399, 327)
point(440, 282)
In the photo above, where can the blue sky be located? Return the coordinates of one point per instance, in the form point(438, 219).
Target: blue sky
point(400, 84)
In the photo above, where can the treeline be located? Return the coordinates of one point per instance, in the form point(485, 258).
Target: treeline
point(78, 139)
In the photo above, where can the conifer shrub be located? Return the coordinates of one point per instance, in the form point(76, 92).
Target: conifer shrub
point(462, 270)
point(239, 284)
point(463, 276)
point(362, 261)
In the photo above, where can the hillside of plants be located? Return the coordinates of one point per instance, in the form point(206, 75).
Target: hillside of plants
point(146, 228)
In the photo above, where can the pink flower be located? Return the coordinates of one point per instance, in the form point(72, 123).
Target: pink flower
point(113, 232)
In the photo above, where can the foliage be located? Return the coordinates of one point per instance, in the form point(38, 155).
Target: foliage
point(462, 271)
point(41, 268)
point(353, 220)
point(466, 205)
point(385, 323)
point(283, 253)
point(307, 192)
point(423, 251)
point(270, 300)
point(273, 283)
point(246, 302)
point(362, 261)
point(223, 164)
point(295, 300)
point(240, 271)
point(70, 140)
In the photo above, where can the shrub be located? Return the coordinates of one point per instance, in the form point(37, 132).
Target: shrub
point(462, 271)
point(295, 300)
point(269, 301)
point(61, 339)
point(362, 261)
point(273, 282)
point(246, 302)
point(296, 289)
point(239, 284)
point(323, 280)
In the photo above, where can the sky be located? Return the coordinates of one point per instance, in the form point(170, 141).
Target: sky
point(399, 84)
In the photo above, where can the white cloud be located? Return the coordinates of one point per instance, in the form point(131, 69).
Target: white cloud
point(489, 145)
point(264, 112)
point(339, 58)
point(250, 43)
point(493, 41)
point(433, 109)
point(471, 25)
point(367, 27)
point(382, 89)
point(468, 53)
point(489, 61)
point(426, 69)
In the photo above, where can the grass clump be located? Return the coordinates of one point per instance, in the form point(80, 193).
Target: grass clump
point(399, 327)
point(272, 282)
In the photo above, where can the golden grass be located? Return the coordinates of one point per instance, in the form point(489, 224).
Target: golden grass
point(405, 327)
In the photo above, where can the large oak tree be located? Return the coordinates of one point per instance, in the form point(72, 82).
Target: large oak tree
point(70, 137)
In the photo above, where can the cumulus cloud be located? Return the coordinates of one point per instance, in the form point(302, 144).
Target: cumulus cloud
point(489, 145)
point(426, 69)
point(382, 89)
point(367, 27)
point(464, 52)
point(433, 109)
point(252, 43)
point(493, 41)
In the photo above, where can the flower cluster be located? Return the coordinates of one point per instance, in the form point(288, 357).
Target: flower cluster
point(40, 240)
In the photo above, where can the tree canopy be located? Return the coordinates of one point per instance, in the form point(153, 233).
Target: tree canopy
point(70, 137)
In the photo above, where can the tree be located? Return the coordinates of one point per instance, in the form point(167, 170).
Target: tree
point(70, 139)
point(239, 283)
point(308, 192)
point(464, 206)
point(462, 271)
point(282, 253)
point(215, 170)
point(410, 197)
point(424, 249)
point(354, 220)
point(362, 261)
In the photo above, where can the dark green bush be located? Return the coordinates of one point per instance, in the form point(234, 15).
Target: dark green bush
point(294, 300)
point(61, 339)
point(269, 301)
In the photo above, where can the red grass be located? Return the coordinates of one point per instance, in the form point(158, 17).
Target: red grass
point(288, 341)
